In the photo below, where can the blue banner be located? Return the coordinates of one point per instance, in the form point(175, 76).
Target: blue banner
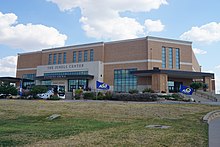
point(186, 90)
point(101, 85)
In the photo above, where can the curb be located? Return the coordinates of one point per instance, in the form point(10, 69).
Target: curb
point(211, 115)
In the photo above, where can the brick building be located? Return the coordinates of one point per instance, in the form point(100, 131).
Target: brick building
point(150, 62)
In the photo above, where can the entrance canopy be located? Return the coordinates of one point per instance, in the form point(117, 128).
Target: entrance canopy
point(174, 73)
point(14, 80)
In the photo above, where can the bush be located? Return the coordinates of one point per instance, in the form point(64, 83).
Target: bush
point(196, 85)
point(54, 97)
point(78, 94)
point(108, 95)
point(8, 89)
point(89, 95)
point(143, 97)
point(38, 89)
point(148, 90)
point(133, 91)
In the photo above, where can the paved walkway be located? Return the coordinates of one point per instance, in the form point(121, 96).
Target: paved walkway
point(214, 133)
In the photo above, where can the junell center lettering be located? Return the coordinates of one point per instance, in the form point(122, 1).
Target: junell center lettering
point(66, 66)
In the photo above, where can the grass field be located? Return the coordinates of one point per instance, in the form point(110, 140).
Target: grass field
point(25, 123)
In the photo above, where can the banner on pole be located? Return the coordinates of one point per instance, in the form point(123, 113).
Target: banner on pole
point(102, 85)
point(186, 90)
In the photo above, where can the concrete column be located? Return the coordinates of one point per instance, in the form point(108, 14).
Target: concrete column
point(208, 81)
point(159, 82)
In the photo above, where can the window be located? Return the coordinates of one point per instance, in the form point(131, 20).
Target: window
point(46, 82)
point(124, 81)
point(171, 58)
point(64, 57)
point(50, 59)
point(59, 58)
point(91, 55)
point(80, 56)
point(54, 58)
point(163, 57)
point(29, 76)
point(74, 57)
point(177, 58)
point(85, 56)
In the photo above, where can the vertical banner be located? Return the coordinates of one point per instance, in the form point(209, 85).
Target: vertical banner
point(20, 89)
point(186, 90)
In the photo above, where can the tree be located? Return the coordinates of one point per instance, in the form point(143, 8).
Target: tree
point(38, 89)
point(196, 85)
point(8, 89)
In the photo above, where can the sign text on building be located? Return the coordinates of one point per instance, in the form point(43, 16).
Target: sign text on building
point(65, 66)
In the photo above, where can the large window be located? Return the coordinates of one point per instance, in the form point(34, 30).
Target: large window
point(54, 58)
point(46, 82)
point(80, 56)
point(59, 58)
point(91, 55)
point(29, 76)
point(74, 57)
point(171, 58)
point(177, 58)
point(85, 56)
point(77, 84)
point(124, 81)
point(64, 57)
point(163, 57)
point(50, 59)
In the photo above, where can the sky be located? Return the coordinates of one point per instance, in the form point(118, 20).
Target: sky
point(32, 25)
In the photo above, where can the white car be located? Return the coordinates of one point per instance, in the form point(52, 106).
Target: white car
point(46, 95)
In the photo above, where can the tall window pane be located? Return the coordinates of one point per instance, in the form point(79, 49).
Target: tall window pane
point(177, 58)
point(74, 57)
point(64, 57)
point(163, 57)
point(170, 57)
point(50, 59)
point(54, 58)
point(80, 56)
point(124, 81)
point(91, 55)
point(85, 56)
point(59, 58)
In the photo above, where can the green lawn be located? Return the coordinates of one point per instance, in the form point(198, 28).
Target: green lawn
point(24, 122)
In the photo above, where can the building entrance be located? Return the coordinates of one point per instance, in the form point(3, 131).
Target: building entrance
point(174, 86)
point(77, 84)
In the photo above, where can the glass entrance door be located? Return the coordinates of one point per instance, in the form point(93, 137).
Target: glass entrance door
point(77, 84)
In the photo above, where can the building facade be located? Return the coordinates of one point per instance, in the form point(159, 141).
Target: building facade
point(150, 62)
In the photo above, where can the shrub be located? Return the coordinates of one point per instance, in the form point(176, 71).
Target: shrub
point(89, 95)
point(133, 91)
point(38, 89)
point(144, 97)
point(54, 97)
point(8, 89)
point(108, 95)
point(148, 90)
point(78, 93)
point(196, 85)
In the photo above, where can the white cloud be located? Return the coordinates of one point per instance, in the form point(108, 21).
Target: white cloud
point(28, 36)
point(207, 33)
point(218, 67)
point(154, 26)
point(199, 51)
point(101, 19)
point(8, 66)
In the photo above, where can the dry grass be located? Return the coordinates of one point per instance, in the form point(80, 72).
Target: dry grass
point(101, 124)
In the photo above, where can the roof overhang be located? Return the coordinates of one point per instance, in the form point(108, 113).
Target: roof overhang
point(14, 80)
point(174, 73)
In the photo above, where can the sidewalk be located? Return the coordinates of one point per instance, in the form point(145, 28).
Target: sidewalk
point(214, 133)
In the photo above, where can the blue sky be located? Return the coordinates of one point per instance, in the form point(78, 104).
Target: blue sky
point(30, 25)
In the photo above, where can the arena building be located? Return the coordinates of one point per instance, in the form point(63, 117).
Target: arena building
point(158, 63)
